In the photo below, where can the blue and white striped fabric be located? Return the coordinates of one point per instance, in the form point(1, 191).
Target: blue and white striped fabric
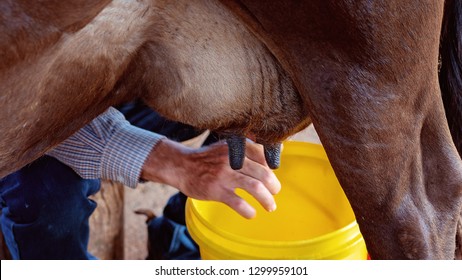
point(108, 148)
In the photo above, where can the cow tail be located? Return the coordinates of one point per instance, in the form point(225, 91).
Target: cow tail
point(450, 74)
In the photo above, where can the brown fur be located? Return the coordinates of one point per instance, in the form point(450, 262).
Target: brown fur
point(190, 60)
point(458, 254)
point(366, 72)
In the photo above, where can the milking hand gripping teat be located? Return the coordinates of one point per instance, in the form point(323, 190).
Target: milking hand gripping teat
point(236, 145)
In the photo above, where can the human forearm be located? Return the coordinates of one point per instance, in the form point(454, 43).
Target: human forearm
point(108, 148)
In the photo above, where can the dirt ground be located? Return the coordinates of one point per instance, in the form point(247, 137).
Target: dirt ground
point(154, 197)
point(149, 196)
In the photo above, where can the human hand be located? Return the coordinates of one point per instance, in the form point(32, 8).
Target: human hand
point(205, 174)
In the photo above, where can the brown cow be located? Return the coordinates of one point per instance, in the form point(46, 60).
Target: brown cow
point(367, 73)
point(193, 61)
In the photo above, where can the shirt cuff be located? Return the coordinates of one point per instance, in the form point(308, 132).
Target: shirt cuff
point(125, 153)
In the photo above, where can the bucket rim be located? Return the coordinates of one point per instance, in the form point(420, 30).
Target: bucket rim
point(272, 243)
point(215, 248)
point(351, 229)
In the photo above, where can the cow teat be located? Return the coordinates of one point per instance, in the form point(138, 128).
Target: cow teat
point(273, 155)
point(236, 151)
point(236, 145)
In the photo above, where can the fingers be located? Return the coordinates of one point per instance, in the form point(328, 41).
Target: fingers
point(258, 179)
point(209, 168)
point(226, 193)
point(255, 152)
point(262, 174)
point(240, 206)
point(260, 192)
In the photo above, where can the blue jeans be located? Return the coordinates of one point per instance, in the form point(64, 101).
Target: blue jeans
point(45, 211)
point(45, 205)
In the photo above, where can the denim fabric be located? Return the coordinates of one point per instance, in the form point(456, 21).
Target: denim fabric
point(168, 236)
point(45, 205)
point(45, 210)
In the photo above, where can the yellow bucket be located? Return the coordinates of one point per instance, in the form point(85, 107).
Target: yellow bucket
point(313, 219)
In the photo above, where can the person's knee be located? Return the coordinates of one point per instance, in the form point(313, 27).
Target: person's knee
point(47, 188)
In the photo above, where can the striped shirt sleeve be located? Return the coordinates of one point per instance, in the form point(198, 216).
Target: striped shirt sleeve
point(109, 147)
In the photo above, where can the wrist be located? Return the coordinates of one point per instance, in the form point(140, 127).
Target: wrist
point(163, 164)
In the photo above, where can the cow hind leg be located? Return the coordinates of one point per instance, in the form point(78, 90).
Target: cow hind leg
point(458, 254)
